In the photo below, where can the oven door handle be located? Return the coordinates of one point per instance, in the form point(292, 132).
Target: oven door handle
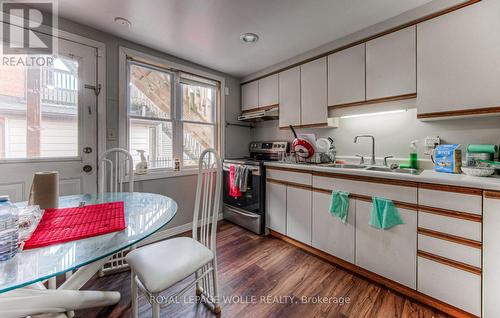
point(253, 216)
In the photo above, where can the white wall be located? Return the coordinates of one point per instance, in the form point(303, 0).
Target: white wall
point(393, 133)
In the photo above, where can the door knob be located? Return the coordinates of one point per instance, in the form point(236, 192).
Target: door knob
point(87, 168)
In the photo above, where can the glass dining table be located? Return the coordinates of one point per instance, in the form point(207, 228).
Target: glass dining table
point(22, 292)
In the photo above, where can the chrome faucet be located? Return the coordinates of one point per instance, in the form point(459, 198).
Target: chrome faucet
point(373, 146)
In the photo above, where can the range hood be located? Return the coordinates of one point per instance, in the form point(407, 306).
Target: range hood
point(260, 115)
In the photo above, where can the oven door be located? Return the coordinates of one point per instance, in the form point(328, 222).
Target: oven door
point(252, 199)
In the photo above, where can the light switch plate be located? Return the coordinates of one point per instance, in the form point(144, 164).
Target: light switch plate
point(111, 134)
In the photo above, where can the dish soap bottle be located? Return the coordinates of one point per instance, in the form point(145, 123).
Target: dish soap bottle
point(413, 163)
point(142, 166)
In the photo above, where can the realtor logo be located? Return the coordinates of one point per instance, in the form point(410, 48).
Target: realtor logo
point(28, 27)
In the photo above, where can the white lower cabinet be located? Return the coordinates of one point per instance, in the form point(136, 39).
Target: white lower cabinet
point(390, 253)
point(329, 234)
point(451, 285)
point(491, 254)
point(276, 207)
point(298, 213)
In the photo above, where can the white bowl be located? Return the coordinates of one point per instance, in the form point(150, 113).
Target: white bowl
point(478, 171)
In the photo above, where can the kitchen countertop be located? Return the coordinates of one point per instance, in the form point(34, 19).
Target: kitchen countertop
point(427, 176)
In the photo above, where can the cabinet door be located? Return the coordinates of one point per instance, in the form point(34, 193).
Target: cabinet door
point(346, 76)
point(250, 96)
point(276, 207)
point(268, 91)
point(451, 285)
point(289, 97)
point(314, 108)
point(390, 253)
point(458, 64)
point(329, 234)
point(391, 65)
point(298, 214)
point(491, 255)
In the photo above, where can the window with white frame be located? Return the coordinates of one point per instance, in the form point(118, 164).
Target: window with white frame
point(171, 114)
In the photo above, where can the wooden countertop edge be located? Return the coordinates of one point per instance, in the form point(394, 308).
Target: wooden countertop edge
point(489, 194)
point(399, 204)
point(399, 288)
point(404, 183)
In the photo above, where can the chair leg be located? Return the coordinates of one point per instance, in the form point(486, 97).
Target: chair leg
point(215, 282)
point(156, 309)
point(133, 294)
point(198, 289)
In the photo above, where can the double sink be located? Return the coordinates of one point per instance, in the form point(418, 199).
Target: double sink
point(372, 168)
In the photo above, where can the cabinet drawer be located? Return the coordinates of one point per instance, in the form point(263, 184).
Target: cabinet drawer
point(450, 225)
point(451, 250)
point(290, 176)
point(452, 285)
point(469, 201)
point(388, 191)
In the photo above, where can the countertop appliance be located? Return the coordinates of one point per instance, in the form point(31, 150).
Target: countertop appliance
point(248, 210)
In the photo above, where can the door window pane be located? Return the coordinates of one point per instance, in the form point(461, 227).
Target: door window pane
point(149, 92)
point(197, 137)
point(155, 138)
point(39, 110)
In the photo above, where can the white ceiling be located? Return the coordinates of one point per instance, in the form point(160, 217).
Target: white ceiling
point(207, 31)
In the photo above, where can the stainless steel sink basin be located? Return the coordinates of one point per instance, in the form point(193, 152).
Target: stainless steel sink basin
point(398, 170)
point(344, 166)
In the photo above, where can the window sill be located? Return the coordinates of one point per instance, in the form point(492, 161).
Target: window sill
point(164, 174)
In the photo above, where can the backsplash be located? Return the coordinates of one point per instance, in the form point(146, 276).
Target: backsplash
point(393, 133)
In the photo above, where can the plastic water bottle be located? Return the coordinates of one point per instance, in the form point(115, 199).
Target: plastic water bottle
point(9, 229)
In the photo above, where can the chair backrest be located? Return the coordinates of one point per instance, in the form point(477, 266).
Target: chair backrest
point(208, 196)
point(114, 165)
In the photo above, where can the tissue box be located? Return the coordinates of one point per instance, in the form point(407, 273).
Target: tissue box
point(448, 158)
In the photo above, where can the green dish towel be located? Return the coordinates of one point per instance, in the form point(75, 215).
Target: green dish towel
point(384, 214)
point(339, 205)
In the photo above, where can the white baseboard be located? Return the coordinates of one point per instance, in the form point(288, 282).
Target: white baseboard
point(173, 231)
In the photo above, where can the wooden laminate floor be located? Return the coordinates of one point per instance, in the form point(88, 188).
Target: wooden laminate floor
point(258, 273)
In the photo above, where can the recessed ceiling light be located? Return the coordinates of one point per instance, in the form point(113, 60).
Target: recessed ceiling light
point(123, 22)
point(249, 38)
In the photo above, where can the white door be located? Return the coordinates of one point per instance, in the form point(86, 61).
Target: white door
point(48, 122)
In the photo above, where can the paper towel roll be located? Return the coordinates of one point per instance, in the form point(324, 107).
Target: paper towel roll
point(45, 190)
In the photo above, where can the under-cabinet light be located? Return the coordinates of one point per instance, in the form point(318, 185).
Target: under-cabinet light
point(375, 114)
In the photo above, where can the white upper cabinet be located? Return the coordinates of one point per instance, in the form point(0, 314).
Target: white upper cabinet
point(346, 76)
point(391, 65)
point(314, 108)
point(289, 97)
point(268, 91)
point(250, 96)
point(458, 60)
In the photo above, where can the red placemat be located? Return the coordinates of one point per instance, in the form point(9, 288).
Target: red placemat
point(70, 224)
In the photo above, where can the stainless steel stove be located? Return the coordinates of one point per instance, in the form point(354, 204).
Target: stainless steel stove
point(248, 209)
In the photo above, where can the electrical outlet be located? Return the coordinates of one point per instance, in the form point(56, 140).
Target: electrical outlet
point(431, 143)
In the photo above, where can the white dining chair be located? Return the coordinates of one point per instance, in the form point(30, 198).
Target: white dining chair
point(158, 266)
point(114, 165)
